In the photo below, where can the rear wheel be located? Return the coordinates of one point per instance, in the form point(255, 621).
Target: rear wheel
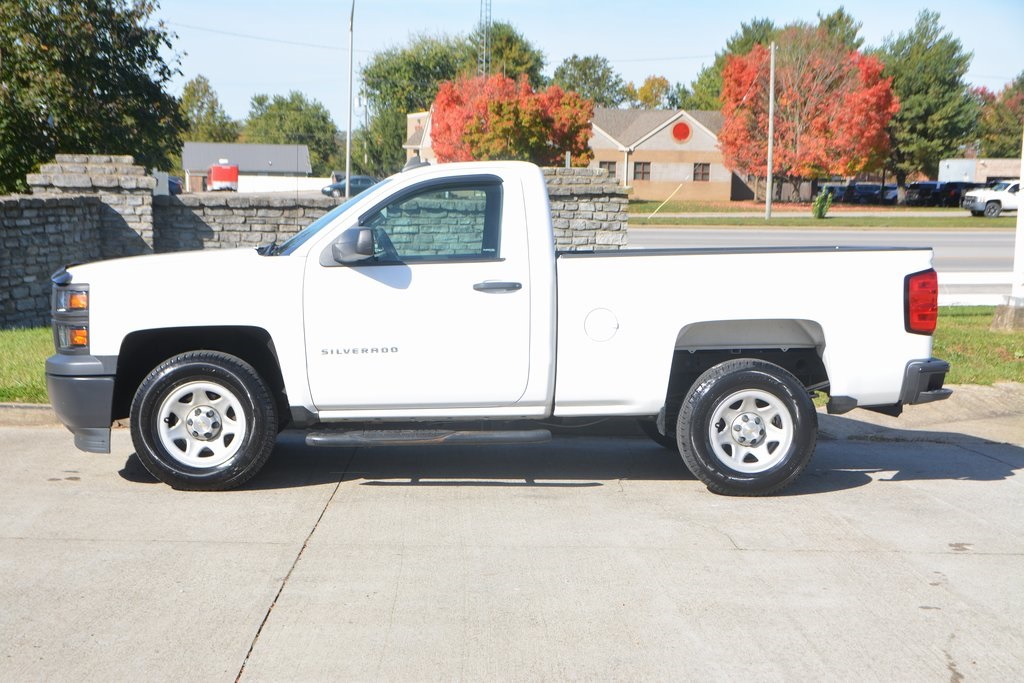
point(993, 209)
point(203, 420)
point(747, 428)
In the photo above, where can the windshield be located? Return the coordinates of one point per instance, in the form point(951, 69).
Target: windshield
point(301, 237)
point(999, 187)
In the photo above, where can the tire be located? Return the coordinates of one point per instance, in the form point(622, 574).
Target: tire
point(993, 209)
point(747, 428)
point(650, 429)
point(234, 429)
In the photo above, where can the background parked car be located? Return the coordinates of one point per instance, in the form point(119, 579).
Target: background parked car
point(924, 193)
point(359, 184)
point(952, 193)
point(870, 193)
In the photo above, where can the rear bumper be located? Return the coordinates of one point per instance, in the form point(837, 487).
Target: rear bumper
point(923, 380)
point(82, 394)
point(922, 383)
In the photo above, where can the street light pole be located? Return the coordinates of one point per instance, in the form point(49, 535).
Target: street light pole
point(348, 133)
point(771, 136)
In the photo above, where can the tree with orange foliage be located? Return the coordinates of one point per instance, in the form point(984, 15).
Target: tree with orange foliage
point(498, 118)
point(832, 106)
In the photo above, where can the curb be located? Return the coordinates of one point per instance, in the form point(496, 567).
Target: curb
point(27, 415)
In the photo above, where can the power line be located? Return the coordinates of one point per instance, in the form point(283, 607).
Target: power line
point(264, 39)
point(661, 59)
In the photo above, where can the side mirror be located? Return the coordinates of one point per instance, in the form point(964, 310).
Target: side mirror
point(355, 244)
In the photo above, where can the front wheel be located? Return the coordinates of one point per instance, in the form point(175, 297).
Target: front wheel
point(203, 420)
point(747, 428)
point(993, 209)
point(650, 429)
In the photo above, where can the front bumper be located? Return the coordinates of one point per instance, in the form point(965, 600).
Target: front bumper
point(81, 390)
point(972, 204)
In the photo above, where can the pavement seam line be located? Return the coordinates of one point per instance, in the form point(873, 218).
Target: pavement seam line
point(295, 563)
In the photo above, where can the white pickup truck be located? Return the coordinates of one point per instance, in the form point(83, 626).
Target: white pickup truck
point(433, 308)
point(992, 201)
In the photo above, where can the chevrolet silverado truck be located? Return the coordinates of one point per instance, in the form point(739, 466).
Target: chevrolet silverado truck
point(433, 308)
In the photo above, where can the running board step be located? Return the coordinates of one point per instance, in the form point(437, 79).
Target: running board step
point(424, 437)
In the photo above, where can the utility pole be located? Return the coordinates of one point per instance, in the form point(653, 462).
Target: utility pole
point(348, 133)
point(771, 136)
point(1010, 316)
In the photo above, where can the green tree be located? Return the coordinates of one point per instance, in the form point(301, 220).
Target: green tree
point(843, 27)
point(707, 88)
point(294, 120)
point(397, 82)
point(205, 118)
point(937, 113)
point(1001, 119)
point(512, 54)
point(652, 93)
point(84, 76)
point(592, 77)
point(680, 97)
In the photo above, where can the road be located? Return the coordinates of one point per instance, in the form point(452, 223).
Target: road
point(955, 251)
point(896, 556)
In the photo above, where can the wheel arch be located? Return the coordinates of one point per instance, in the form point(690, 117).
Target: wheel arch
point(143, 350)
point(793, 344)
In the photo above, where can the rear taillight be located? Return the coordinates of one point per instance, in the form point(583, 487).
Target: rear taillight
point(921, 302)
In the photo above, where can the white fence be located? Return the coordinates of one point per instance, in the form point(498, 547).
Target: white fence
point(269, 183)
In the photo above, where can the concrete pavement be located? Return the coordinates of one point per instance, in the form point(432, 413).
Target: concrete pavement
point(897, 556)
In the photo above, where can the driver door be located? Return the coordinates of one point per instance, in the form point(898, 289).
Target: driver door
point(436, 321)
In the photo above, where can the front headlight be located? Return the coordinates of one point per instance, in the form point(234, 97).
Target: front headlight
point(71, 300)
point(70, 312)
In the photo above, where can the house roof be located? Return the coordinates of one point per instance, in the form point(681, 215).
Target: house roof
point(290, 159)
point(629, 126)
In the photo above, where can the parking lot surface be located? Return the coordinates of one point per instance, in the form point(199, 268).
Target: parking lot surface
point(897, 556)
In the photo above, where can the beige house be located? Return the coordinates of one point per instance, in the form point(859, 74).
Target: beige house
point(417, 137)
point(657, 153)
point(662, 154)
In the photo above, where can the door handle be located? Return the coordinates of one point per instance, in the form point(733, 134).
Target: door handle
point(497, 286)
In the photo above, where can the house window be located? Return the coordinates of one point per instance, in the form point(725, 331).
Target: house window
point(641, 170)
point(608, 166)
point(701, 172)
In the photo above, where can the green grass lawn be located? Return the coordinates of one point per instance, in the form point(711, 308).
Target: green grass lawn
point(23, 354)
point(643, 207)
point(977, 355)
point(833, 221)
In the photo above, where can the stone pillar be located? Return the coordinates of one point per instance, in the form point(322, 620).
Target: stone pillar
point(588, 209)
point(123, 188)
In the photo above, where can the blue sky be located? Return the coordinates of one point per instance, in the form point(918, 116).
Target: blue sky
point(303, 45)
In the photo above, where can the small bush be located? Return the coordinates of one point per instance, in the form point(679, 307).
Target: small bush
point(822, 203)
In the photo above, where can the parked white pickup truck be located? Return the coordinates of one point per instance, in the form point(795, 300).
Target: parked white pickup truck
point(433, 308)
point(992, 201)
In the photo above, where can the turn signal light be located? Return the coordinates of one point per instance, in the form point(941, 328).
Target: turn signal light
point(72, 300)
point(72, 336)
point(921, 302)
point(78, 301)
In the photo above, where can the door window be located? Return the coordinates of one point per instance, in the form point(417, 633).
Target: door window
point(455, 222)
